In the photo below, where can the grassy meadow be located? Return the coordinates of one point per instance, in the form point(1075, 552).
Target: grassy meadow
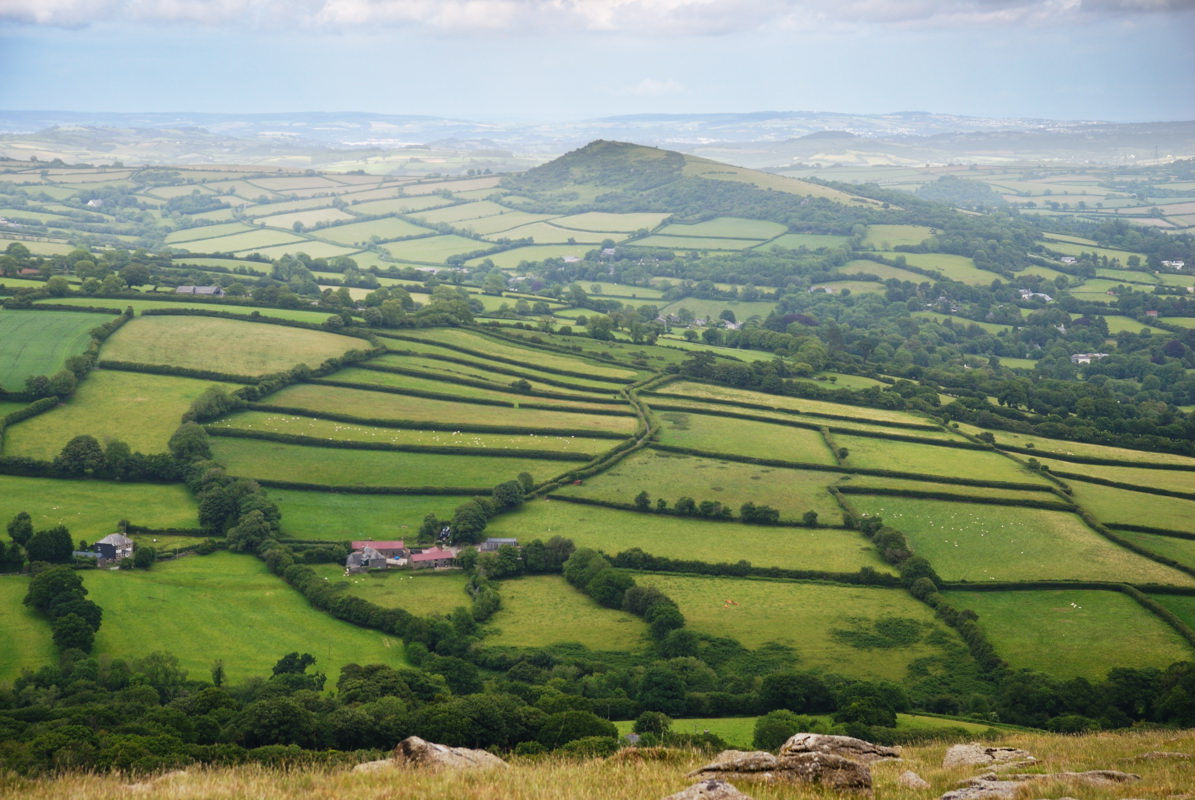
point(333, 517)
point(27, 642)
point(541, 610)
point(421, 592)
point(39, 342)
point(742, 437)
point(229, 607)
point(91, 509)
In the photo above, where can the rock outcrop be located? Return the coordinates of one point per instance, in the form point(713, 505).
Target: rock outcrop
point(845, 746)
point(416, 753)
point(978, 755)
point(1006, 787)
point(709, 790)
point(818, 768)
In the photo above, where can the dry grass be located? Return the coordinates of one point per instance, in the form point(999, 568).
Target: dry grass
point(562, 779)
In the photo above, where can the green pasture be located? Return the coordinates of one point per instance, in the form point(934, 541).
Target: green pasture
point(342, 467)
point(810, 241)
point(613, 531)
point(397, 205)
point(139, 409)
point(342, 431)
point(695, 243)
point(800, 404)
point(309, 247)
point(434, 249)
point(1017, 363)
point(92, 508)
point(851, 287)
point(1124, 507)
point(501, 393)
point(742, 437)
point(958, 268)
point(805, 616)
point(40, 342)
point(484, 345)
point(710, 309)
point(1181, 605)
point(547, 233)
point(885, 237)
point(286, 207)
point(643, 356)
point(420, 592)
point(1073, 633)
point(13, 214)
point(623, 290)
point(311, 218)
point(1118, 323)
point(1072, 249)
point(25, 633)
point(602, 221)
point(1174, 480)
point(1182, 322)
point(1181, 550)
point(506, 223)
point(40, 248)
point(384, 405)
point(478, 368)
point(542, 610)
point(23, 283)
point(961, 493)
point(297, 183)
point(675, 342)
point(1061, 447)
point(510, 259)
point(248, 242)
point(224, 345)
point(1044, 272)
point(336, 517)
point(973, 542)
point(9, 406)
point(139, 305)
point(460, 213)
point(1127, 275)
point(925, 459)
point(188, 235)
point(884, 272)
point(727, 228)
point(359, 233)
point(671, 476)
point(841, 380)
point(225, 607)
point(229, 263)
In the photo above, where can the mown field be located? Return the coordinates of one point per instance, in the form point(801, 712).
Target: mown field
point(223, 345)
point(808, 617)
point(973, 542)
point(743, 437)
point(541, 610)
point(91, 509)
point(613, 531)
point(196, 606)
point(27, 642)
point(335, 517)
point(419, 592)
point(1074, 633)
point(39, 342)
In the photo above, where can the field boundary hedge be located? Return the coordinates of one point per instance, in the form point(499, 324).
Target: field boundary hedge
point(762, 407)
point(460, 380)
point(454, 491)
point(67, 307)
point(481, 401)
point(671, 512)
point(878, 473)
point(1048, 505)
point(1111, 536)
point(516, 430)
point(347, 444)
point(636, 559)
point(512, 361)
point(514, 373)
point(1150, 529)
point(180, 372)
point(1132, 487)
point(1094, 460)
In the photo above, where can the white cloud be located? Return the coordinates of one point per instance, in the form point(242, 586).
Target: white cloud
point(646, 17)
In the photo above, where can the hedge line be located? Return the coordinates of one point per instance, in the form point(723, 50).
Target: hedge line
point(1048, 505)
point(915, 426)
point(485, 384)
point(493, 330)
point(1095, 460)
point(504, 360)
point(1130, 486)
point(195, 532)
point(84, 309)
point(671, 512)
point(1151, 529)
point(879, 473)
point(183, 372)
point(1102, 530)
point(480, 401)
point(314, 441)
point(431, 426)
point(830, 443)
point(31, 410)
point(636, 559)
point(454, 491)
point(1161, 612)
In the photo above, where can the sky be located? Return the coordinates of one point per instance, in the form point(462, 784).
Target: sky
point(545, 60)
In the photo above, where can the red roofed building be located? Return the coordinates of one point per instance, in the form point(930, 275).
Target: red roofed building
point(395, 549)
point(433, 557)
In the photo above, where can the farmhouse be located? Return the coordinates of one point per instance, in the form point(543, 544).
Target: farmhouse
point(1087, 358)
point(363, 559)
point(1174, 264)
point(434, 558)
point(490, 545)
point(113, 547)
point(391, 549)
point(1027, 294)
point(211, 291)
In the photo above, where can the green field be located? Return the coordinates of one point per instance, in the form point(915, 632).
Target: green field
point(864, 482)
point(341, 467)
point(186, 235)
point(139, 305)
point(227, 607)
point(361, 233)
point(420, 592)
point(141, 410)
point(1174, 480)
point(311, 218)
point(332, 517)
point(542, 610)
point(92, 509)
point(224, 345)
point(315, 427)
point(1060, 447)
point(248, 242)
point(708, 390)
point(1181, 605)
point(1070, 633)
point(39, 342)
point(925, 459)
point(671, 476)
point(1124, 507)
point(1181, 550)
point(885, 237)
point(27, 642)
point(958, 268)
point(1118, 324)
point(882, 271)
point(742, 437)
point(971, 542)
point(727, 227)
point(695, 243)
point(491, 347)
point(478, 368)
point(810, 241)
point(612, 531)
point(617, 223)
point(804, 616)
point(434, 249)
point(386, 406)
point(710, 309)
point(509, 259)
